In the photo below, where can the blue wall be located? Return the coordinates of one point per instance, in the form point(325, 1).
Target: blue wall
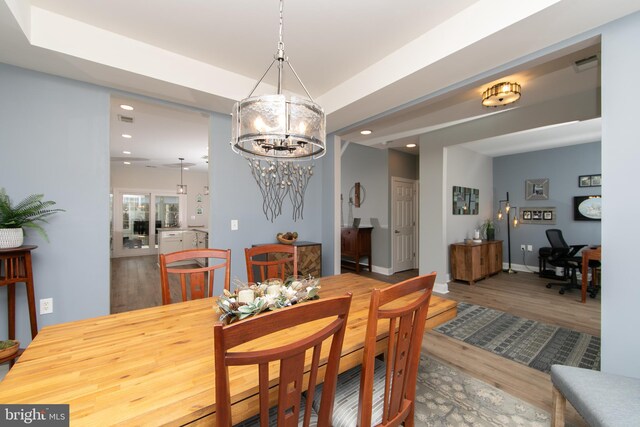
point(561, 166)
point(54, 139)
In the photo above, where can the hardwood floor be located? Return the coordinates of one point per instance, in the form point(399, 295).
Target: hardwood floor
point(136, 284)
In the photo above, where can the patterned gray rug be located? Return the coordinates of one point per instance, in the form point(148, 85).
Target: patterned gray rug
point(448, 397)
point(531, 343)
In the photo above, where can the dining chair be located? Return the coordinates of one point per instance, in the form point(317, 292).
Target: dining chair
point(273, 261)
point(193, 273)
point(297, 360)
point(382, 393)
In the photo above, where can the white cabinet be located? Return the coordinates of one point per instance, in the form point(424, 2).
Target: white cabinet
point(180, 240)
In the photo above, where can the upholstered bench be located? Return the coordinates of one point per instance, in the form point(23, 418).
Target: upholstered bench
point(601, 399)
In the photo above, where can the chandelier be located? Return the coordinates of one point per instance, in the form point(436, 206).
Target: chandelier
point(277, 126)
point(501, 94)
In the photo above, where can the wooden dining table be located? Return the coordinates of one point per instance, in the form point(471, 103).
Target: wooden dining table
point(155, 366)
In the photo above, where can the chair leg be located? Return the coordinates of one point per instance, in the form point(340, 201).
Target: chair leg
point(557, 411)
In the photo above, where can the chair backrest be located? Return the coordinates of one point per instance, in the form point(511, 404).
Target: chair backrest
point(271, 262)
point(292, 357)
point(199, 279)
point(555, 238)
point(402, 355)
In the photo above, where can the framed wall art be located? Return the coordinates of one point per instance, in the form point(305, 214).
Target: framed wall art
point(590, 180)
point(536, 189)
point(465, 201)
point(542, 216)
point(587, 208)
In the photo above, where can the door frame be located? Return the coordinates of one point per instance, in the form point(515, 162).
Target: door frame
point(416, 232)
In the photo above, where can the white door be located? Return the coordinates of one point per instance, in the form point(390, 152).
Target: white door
point(404, 223)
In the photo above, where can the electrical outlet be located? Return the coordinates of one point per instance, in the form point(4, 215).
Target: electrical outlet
point(46, 306)
point(529, 248)
point(522, 248)
point(234, 224)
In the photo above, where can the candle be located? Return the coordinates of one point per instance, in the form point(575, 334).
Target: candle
point(476, 234)
point(246, 296)
point(273, 290)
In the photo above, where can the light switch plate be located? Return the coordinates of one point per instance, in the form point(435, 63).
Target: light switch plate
point(234, 224)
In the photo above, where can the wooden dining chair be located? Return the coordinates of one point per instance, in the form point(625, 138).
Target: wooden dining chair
point(200, 279)
point(387, 389)
point(271, 262)
point(297, 360)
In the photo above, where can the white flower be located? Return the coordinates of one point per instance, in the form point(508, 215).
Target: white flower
point(270, 300)
point(289, 293)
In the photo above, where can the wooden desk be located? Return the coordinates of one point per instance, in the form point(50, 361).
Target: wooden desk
point(588, 255)
point(155, 366)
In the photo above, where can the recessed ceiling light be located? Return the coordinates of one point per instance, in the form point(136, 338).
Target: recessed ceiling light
point(126, 135)
point(411, 145)
point(126, 152)
point(127, 163)
point(126, 107)
point(366, 132)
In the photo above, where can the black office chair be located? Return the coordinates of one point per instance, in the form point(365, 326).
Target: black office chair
point(561, 254)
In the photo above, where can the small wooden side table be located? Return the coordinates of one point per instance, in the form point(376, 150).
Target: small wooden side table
point(15, 267)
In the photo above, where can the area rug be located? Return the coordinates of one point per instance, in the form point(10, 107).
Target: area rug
point(446, 396)
point(531, 343)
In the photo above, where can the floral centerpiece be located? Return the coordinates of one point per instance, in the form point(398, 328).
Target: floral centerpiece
point(250, 299)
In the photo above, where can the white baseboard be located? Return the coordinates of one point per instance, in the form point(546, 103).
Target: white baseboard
point(381, 270)
point(441, 288)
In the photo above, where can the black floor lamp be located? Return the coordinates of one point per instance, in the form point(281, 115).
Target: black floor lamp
point(507, 209)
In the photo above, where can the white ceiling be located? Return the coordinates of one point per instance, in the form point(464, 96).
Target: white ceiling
point(402, 68)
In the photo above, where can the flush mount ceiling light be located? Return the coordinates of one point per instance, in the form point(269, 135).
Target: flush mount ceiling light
point(126, 107)
point(276, 126)
point(366, 132)
point(182, 189)
point(411, 145)
point(501, 94)
point(126, 135)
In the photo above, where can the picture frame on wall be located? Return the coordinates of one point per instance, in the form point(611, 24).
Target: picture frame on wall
point(539, 216)
point(466, 200)
point(590, 180)
point(537, 189)
point(587, 208)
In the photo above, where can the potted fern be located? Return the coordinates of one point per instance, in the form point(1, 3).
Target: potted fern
point(28, 213)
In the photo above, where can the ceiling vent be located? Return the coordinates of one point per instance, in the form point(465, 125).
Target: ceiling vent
point(125, 119)
point(586, 63)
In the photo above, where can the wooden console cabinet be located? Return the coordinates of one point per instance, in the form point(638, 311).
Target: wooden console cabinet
point(475, 261)
point(355, 244)
point(309, 259)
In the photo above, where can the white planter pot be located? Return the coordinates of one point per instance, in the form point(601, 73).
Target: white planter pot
point(11, 238)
